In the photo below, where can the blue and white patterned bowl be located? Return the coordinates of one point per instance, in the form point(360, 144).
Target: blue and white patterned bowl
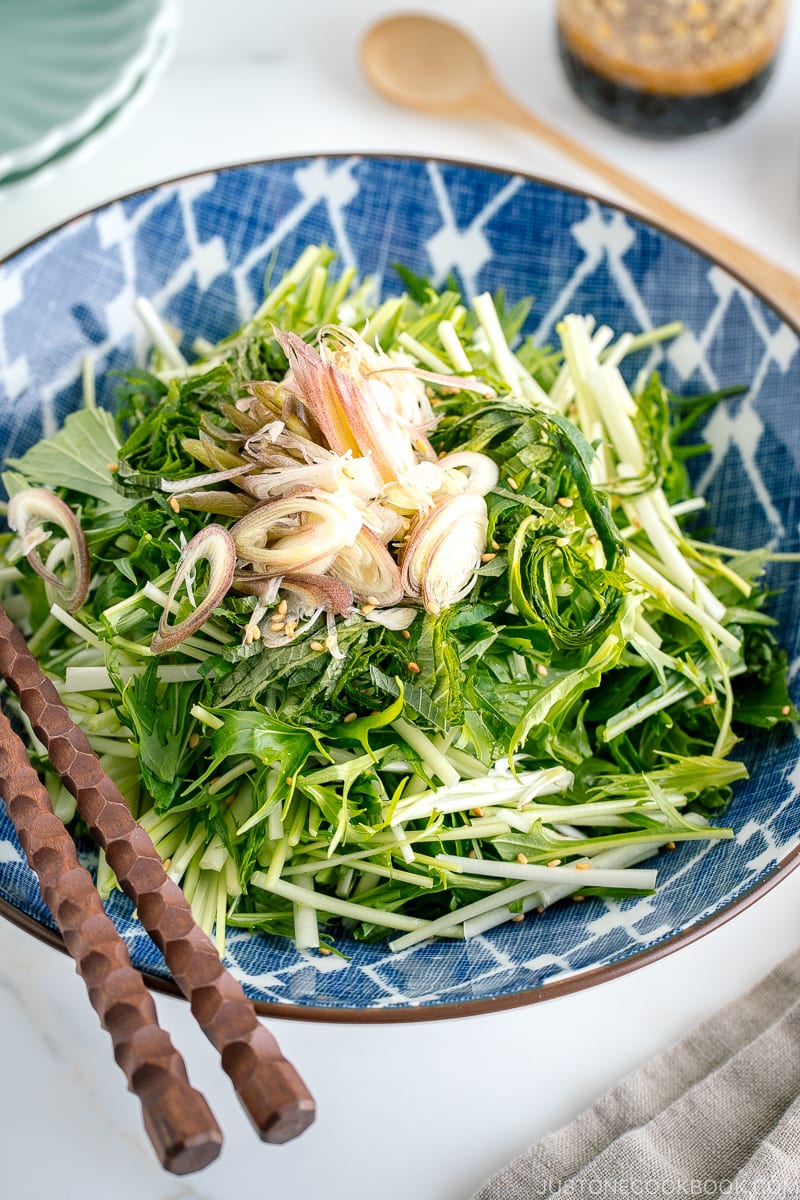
point(199, 247)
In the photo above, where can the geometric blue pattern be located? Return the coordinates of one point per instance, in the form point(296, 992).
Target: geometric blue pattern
point(200, 248)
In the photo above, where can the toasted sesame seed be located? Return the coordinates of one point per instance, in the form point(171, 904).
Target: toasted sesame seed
point(366, 609)
point(583, 866)
point(194, 740)
point(542, 670)
point(671, 846)
point(476, 812)
point(709, 699)
point(414, 668)
point(112, 466)
point(351, 716)
point(540, 908)
point(787, 708)
point(562, 542)
point(325, 950)
point(517, 917)
point(472, 854)
point(522, 859)
point(564, 501)
point(488, 557)
point(578, 899)
point(495, 545)
point(404, 633)
point(277, 627)
point(512, 483)
point(317, 646)
point(554, 862)
point(290, 780)
point(256, 633)
point(173, 503)
point(593, 539)
point(282, 607)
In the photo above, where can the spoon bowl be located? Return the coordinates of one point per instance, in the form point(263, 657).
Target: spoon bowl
point(422, 62)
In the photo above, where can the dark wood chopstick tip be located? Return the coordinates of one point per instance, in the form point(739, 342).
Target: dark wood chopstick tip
point(290, 1122)
point(168, 1126)
point(272, 1093)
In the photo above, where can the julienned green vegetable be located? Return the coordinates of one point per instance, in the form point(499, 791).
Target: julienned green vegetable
point(393, 623)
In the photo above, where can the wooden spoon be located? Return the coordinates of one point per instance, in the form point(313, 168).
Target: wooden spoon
point(424, 63)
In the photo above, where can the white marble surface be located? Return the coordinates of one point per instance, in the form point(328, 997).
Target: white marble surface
point(426, 1110)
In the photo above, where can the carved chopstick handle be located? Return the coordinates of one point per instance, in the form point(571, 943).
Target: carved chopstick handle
point(273, 1094)
point(178, 1121)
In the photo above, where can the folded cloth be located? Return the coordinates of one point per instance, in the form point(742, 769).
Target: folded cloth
point(718, 1114)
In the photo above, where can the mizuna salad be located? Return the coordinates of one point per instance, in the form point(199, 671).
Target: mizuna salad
point(388, 622)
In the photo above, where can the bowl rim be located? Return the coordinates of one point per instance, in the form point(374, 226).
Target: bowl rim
point(559, 986)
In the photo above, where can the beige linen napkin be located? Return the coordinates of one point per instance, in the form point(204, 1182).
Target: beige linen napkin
point(718, 1114)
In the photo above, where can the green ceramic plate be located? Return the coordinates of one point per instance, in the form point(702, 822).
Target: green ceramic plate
point(65, 67)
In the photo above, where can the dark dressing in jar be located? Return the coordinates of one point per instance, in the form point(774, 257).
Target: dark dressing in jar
point(669, 67)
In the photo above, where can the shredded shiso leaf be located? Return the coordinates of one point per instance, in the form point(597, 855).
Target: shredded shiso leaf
point(396, 625)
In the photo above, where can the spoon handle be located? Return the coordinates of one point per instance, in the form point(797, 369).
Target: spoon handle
point(270, 1089)
point(778, 284)
point(178, 1121)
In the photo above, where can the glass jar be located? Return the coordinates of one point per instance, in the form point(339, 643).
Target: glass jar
point(669, 67)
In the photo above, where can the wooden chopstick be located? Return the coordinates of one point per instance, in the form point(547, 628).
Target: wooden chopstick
point(177, 1119)
point(270, 1089)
